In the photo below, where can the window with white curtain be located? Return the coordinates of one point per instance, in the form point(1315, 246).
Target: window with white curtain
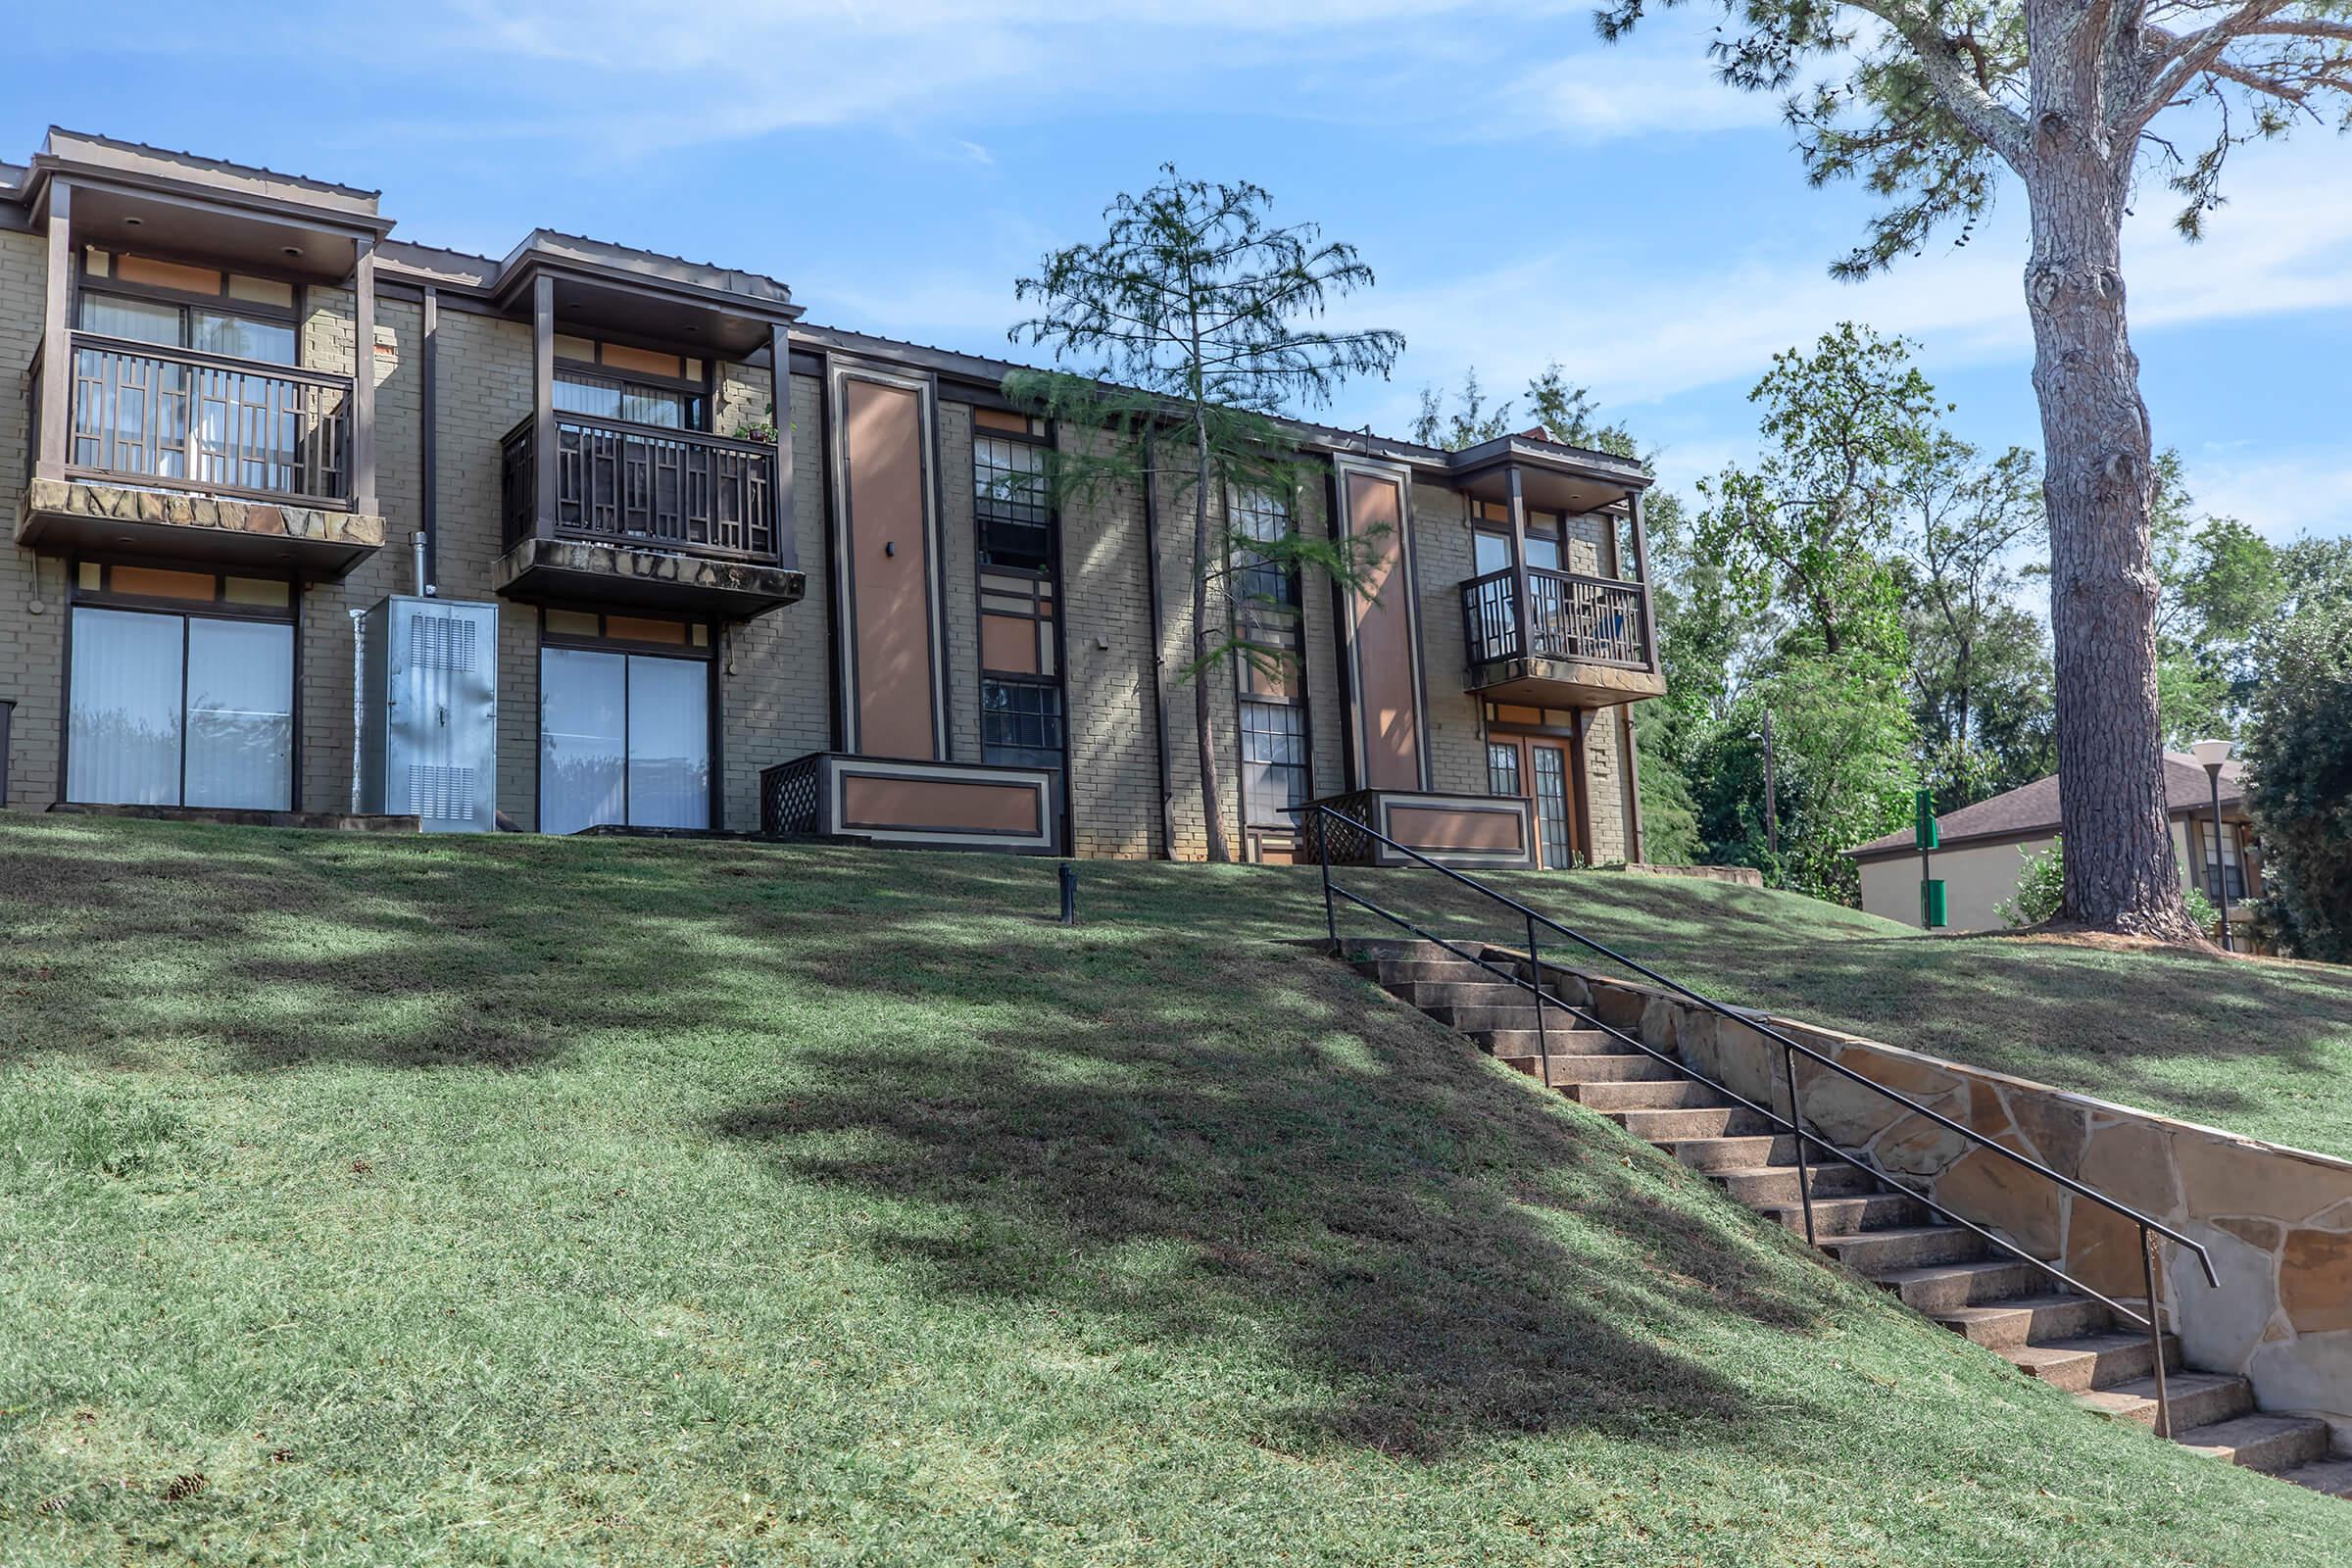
point(173, 709)
point(625, 739)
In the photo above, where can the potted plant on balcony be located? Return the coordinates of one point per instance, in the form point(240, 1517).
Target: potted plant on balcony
point(762, 429)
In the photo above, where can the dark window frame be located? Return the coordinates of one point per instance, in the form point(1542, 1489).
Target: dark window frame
point(216, 609)
point(713, 701)
point(1301, 766)
point(1057, 720)
point(990, 509)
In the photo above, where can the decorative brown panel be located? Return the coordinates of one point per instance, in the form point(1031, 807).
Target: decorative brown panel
point(943, 804)
point(894, 684)
point(1009, 644)
point(1430, 829)
point(1382, 640)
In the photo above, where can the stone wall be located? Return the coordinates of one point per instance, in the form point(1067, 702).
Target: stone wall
point(2277, 1221)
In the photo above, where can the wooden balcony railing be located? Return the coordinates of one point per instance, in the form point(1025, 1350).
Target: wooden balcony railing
point(622, 483)
point(205, 423)
point(1594, 620)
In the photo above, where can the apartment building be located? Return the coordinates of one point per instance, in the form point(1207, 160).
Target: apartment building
point(310, 521)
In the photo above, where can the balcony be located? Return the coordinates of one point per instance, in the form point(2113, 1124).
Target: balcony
point(1583, 641)
point(180, 453)
point(643, 515)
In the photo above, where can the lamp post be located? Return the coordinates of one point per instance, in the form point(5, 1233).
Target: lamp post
point(2213, 754)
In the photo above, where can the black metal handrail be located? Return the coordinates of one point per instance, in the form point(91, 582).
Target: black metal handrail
point(1794, 1122)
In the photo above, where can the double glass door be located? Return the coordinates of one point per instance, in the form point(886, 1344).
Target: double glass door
point(1537, 767)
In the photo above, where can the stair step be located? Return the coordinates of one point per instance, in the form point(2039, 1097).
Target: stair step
point(1943, 1287)
point(1896, 1246)
point(2092, 1361)
point(2199, 1400)
point(1715, 1122)
point(1601, 1068)
point(1413, 971)
point(1475, 989)
point(1734, 1153)
point(1482, 1017)
point(2331, 1476)
point(2261, 1441)
point(1769, 1186)
point(1559, 1039)
point(1849, 1216)
point(2027, 1319)
point(1678, 1094)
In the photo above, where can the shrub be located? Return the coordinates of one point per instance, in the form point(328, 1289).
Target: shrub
point(2299, 755)
point(2041, 887)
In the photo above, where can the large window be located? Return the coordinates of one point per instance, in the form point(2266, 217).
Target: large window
point(605, 396)
point(1009, 502)
point(1263, 514)
point(1020, 724)
point(170, 706)
point(642, 387)
point(1273, 763)
point(239, 329)
point(625, 737)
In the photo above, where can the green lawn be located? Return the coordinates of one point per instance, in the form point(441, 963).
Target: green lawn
point(523, 1201)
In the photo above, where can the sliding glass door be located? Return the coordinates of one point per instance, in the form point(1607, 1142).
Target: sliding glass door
point(623, 739)
point(169, 709)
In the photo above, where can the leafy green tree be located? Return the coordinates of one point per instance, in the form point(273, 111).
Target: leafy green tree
point(1809, 528)
point(1189, 318)
point(2300, 755)
point(1928, 102)
point(1977, 661)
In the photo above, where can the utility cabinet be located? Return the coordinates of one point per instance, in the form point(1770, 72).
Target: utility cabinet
point(428, 729)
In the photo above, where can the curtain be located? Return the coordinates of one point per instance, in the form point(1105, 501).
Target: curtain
point(669, 743)
point(240, 720)
point(124, 696)
point(582, 747)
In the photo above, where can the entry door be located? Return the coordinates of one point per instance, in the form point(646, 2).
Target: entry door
point(1537, 767)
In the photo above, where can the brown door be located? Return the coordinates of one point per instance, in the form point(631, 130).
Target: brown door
point(1537, 767)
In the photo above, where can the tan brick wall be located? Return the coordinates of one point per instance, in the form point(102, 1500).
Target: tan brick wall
point(1443, 557)
point(774, 672)
point(1114, 789)
point(959, 579)
point(32, 590)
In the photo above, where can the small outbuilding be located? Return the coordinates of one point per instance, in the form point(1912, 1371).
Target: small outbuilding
point(1984, 848)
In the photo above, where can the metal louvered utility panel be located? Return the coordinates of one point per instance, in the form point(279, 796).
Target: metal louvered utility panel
point(430, 747)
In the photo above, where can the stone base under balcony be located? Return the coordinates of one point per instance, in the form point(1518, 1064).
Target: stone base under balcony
point(69, 517)
point(1563, 683)
point(570, 571)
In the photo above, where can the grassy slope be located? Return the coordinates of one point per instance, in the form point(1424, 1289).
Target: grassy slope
point(536, 1201)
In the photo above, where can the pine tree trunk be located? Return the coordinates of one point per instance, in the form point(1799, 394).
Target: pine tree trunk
point(2120, 874)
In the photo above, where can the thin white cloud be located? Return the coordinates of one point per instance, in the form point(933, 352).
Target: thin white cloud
point(2279, 494)
point(1638, 327)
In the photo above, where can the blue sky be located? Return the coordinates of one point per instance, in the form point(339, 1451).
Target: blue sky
point(1524, 192)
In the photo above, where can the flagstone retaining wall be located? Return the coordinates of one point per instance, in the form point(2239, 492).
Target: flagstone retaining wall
point(2277, 1221)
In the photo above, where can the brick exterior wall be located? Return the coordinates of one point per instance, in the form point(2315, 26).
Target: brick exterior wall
point(32, 590)
point(774, 675)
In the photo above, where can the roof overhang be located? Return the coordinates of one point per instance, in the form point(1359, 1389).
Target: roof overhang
point(283, 225)
point(601, 287)
point(1553, 477)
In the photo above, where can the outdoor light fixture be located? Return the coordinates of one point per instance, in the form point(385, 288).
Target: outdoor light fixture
point(2213, 754)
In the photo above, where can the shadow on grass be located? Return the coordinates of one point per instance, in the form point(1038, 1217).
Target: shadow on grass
point(1460, 1256)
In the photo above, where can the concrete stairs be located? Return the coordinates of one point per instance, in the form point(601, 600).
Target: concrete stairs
point(1943, 1272)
